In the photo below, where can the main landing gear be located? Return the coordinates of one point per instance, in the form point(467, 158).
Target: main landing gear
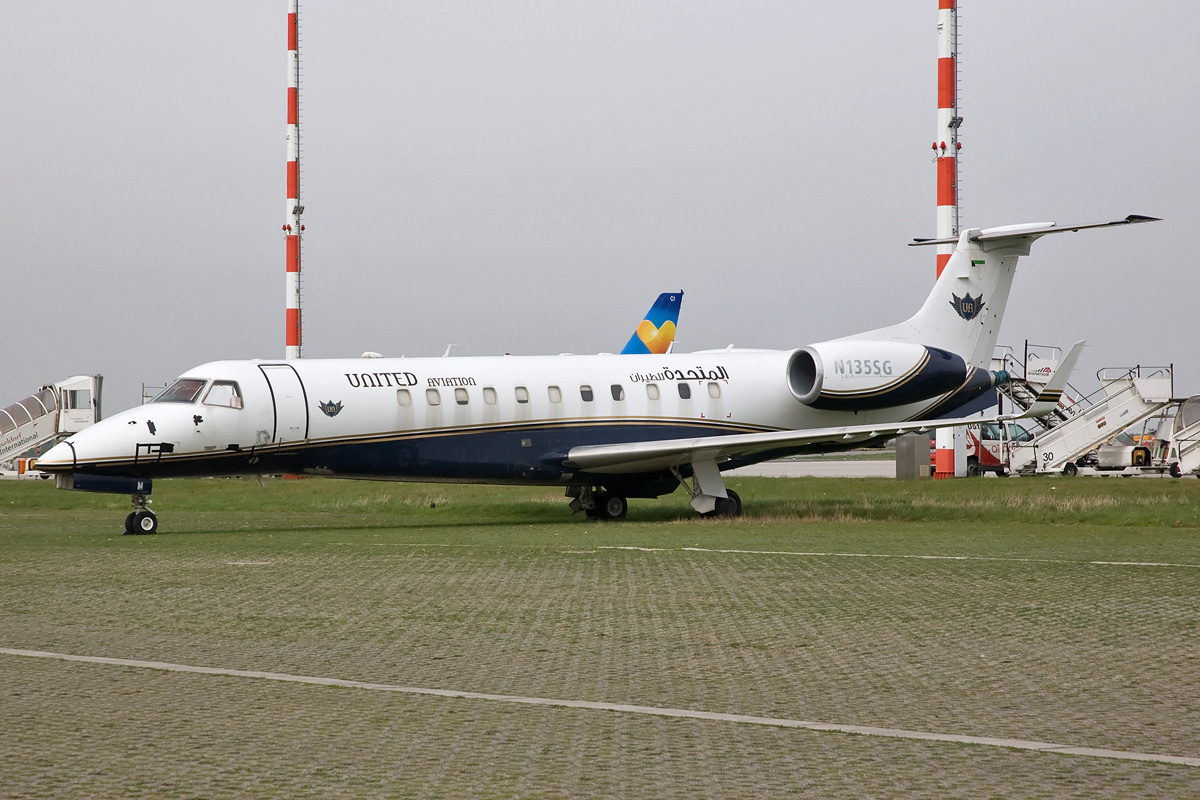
point(707, 488)
point(728, 506)
point(141, 519)
point(598, 503)
point(709, 496)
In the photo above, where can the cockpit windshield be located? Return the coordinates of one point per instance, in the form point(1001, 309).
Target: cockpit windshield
point(224, 393)
point(184, 390)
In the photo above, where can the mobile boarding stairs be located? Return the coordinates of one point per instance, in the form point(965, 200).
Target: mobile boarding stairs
point(31, 426)
point(1183, 447)
point(1070, 437)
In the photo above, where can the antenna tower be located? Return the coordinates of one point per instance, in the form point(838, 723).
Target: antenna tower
point(946, 146)
point(949, 442)
point(291, 226)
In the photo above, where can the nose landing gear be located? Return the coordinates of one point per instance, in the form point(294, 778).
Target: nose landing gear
point(141, 519)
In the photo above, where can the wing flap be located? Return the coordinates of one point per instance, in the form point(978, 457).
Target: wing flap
point(634, 457)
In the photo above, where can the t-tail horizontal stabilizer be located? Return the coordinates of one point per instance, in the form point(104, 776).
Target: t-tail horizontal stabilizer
point(1033, 230)
point(964, 310)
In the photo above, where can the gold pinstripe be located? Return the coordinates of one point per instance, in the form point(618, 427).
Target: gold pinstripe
point(424, 433)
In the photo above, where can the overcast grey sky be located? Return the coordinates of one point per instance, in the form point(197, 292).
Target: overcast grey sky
point(526, 176)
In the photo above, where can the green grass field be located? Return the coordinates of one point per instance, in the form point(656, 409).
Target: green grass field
point(1060, 610)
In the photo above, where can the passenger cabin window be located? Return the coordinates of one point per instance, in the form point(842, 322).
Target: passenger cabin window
point(555, 394)
point(618, 391)
point(714, 390)
point(403, 397)
point(460, 396)
point(522, 394)
point(184, 390)
point(432, 397)
point(652, 391)
point(223, 393)
point(685, 391)
point(585, 393)
point(489, 395)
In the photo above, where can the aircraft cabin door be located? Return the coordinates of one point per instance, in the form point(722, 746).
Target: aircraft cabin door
point(290, 402)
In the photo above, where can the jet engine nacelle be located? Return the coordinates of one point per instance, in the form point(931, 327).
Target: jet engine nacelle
point(864, 375)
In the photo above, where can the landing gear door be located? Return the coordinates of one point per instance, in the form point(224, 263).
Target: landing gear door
point(290, 402)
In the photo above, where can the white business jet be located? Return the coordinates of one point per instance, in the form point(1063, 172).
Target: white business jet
point(604, 427)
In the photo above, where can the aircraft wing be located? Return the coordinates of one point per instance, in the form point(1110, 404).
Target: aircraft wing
point(635, 457)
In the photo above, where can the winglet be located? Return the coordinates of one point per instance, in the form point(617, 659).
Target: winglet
point(656, 333)
point(1047, 399)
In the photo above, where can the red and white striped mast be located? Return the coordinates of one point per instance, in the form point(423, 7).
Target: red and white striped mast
point(946, 148)
point(291, 226)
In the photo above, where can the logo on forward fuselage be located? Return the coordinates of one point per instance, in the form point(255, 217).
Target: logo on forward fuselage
point(330, 409)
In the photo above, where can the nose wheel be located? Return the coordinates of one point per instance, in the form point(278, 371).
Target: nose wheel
point(141, 520)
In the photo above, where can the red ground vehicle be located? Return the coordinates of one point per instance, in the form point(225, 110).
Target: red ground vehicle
point(987, 446)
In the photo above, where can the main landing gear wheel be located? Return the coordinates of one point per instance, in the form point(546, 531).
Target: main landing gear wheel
point(129, 529)
point(730, 506)
point(611, 506)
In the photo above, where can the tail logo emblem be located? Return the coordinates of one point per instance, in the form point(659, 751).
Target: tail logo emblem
point(330, 409)
point(657, 339)
point(967, 307)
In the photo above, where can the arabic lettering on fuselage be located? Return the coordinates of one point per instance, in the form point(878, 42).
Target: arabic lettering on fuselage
point(698, 374)
point(380, 379)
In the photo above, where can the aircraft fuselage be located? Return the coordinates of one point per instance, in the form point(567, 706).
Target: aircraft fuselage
point(508, 419)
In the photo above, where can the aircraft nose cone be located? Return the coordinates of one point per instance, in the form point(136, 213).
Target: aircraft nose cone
point(59, 458)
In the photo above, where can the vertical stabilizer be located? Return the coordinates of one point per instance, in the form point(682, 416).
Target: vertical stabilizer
point(656, 332)
point(963, 312)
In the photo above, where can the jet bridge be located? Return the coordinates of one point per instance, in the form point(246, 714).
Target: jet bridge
point(32, 425)
point(1126, 397)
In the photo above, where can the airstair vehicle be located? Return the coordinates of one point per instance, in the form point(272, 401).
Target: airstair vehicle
point(31, 426)
point(1091, 433)
point(988, 444)
point(1038, 365)
point(1126, 398)
point(1183, 447)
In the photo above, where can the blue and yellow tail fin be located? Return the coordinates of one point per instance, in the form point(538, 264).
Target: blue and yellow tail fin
point(656, 332)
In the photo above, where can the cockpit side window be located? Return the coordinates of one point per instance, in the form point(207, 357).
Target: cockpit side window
point(224, 393)
point(184, 390)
